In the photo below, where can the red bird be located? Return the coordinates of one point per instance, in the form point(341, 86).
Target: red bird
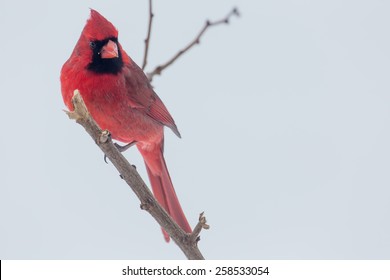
point(120, 98)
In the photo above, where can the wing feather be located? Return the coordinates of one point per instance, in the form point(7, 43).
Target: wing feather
point(142, 97)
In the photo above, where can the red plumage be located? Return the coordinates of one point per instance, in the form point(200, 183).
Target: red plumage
point(120, 98)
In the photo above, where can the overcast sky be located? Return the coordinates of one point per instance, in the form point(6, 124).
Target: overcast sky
point(284, 116)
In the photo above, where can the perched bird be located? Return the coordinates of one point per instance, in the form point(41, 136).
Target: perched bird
point(121, 100)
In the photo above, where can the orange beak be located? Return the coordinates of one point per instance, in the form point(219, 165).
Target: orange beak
point(110, 50)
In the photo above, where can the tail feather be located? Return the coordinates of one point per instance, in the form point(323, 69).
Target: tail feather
point(158, 192)
point(164, 191)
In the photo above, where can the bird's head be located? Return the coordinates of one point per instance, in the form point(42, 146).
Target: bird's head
point(99, 46)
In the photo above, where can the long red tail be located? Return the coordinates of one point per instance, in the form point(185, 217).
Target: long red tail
point(163, 188)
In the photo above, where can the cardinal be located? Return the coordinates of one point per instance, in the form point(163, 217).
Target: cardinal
point(120, 98)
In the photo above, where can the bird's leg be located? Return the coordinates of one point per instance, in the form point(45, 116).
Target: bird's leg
point(121, 148)
point(124, 147)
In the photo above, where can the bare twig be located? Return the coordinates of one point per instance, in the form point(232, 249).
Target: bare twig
point(207, 25)
point(198, 228)
point(147, 40)
point(186, 242)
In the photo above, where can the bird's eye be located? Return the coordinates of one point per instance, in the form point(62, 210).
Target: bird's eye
point(92, 45)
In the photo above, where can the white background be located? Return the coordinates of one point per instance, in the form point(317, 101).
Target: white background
point(285, 118)
point(182, 269)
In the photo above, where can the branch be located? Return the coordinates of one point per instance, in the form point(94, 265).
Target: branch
point(147, 40)
point(186, 242)
point(207, 25)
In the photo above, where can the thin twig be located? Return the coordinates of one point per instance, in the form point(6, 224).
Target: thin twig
point(186, 242)
point(147, 40)
point(207, 25)
point(198, 228)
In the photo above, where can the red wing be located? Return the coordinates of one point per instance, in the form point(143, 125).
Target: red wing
point(143, 98)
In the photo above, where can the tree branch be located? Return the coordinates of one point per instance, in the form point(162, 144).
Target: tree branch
point(186, 242)
point(147, 40)
point(158, 70)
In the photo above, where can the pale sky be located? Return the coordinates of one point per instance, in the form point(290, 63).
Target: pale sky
point(284, 116)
